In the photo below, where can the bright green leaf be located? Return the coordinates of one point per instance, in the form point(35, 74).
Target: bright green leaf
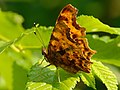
point(105, 39)
point(19, 77)
point(94, 25)
point(105, 75)
point(13, 67)
point(106, 52)
point(6, 70)
point(4, 45)
point(45, 78)
point(88, 79)
point(38, 86)
point(22, 59)
point(10, 25)
point(30, 40)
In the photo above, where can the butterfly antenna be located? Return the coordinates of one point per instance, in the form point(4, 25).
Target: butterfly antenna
point(37, 33)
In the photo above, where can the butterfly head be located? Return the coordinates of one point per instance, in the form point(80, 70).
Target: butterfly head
point(44, 52)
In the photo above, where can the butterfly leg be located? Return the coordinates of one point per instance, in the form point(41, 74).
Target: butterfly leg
point(41, 61)
point(47, 66)
point(44, 67)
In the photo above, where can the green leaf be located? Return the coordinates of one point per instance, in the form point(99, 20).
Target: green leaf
point(94, 25)
point(6, 70)
point(38, 86)
point(88, 79)
point(10, 25)
point(106, 52)
point(14, 63)
point(105, 75)
point(48, 78)
point(5, 45)
point(29, 37)
point(22, 59)
point(18, 73)
point(104, 38)
point(13, 67)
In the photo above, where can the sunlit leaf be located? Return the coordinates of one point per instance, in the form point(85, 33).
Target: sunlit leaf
point(6, 70)
point(4, 45)
point(13, 67)
point(94, 25)
point(44, 78)
point(10, 25)
point(30, 40)
point(88, 79)
point(105, 75)
point(106, 52)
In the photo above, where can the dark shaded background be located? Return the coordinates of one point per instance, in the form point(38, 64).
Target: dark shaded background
point(45, 12)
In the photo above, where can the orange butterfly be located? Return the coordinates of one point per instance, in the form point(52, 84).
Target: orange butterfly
point(68, 48)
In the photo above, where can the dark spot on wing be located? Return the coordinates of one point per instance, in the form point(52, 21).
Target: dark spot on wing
point(75, 24)
point(62, 52)
point(68, 35)
point(62, 18)
point(67, 9)
point(74, 36)
point(54, 38)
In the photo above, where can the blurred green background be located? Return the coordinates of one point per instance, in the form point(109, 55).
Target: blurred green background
point(45, 12)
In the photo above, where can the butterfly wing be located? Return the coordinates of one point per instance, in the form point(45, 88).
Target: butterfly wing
point(67, 47)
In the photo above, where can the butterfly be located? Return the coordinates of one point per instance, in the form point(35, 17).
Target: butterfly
point(68, 48)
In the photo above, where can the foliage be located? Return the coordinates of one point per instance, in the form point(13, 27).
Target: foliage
point(20, 49)
point(107, 77)
point(110, 51)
